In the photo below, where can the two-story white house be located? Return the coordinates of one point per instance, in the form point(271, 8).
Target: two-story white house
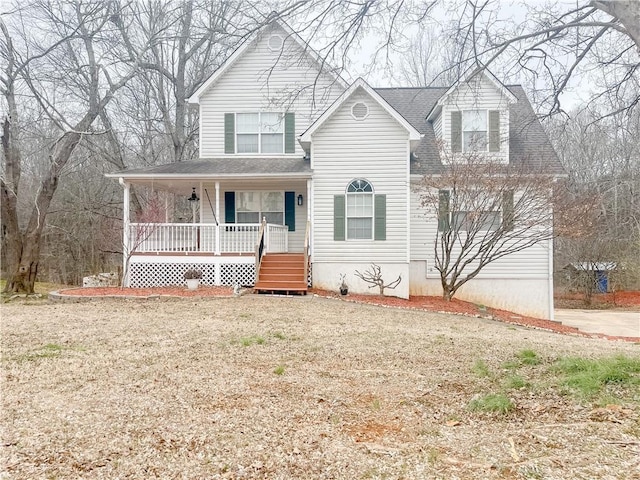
point(303, 178)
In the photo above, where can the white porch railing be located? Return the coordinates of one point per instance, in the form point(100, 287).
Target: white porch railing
point(204, 238)
point(277, 238)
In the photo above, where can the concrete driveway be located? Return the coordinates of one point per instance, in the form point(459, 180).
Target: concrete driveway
point(609, 322)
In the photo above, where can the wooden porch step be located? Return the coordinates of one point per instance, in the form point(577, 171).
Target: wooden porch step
point(282, 273)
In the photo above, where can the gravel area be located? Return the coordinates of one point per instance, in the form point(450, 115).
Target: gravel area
point(303, 387)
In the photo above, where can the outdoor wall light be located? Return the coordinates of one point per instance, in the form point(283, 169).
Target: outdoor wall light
point(300, 200)
point(193, 197)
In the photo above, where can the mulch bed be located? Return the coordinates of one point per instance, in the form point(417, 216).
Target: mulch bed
point(613, 300)
point(436, 304)
point(149, 292)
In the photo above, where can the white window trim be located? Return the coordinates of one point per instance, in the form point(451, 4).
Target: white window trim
point(259, 133)
point(260, 216)
point(463, 228)
point(346, 212)
point(486, 113)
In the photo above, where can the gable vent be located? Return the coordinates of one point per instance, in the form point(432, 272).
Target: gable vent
point(359, 111)
point(275, 43)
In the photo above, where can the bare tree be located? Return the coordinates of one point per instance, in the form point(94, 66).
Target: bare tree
point(486, 210)
point(555, 45)
point(373, 276)
point(602, 160)
point(46, 58)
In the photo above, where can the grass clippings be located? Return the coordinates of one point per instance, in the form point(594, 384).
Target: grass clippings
point(129, 389)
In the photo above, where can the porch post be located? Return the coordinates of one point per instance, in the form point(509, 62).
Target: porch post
point(218, 229)
point(309, 199)
point(201, 202)
point(126, 232)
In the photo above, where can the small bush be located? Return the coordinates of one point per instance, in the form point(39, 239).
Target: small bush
point(279, 370)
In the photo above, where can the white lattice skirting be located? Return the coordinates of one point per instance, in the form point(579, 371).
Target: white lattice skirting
point(169, 271)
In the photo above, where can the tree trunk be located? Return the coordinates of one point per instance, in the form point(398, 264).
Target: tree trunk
point(22, 266)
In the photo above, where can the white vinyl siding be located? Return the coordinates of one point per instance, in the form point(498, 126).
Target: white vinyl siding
point(263, 80)
point(479, 94)
point(375, 149)
point(531, 263)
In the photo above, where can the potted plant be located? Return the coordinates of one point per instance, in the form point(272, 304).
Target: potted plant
point(192, 277)
point(344, 288)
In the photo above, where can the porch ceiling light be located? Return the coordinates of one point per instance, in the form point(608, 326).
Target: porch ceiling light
point(193, 197)
point(300, 200)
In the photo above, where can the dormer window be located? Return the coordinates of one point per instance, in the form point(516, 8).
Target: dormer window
point(475, 131)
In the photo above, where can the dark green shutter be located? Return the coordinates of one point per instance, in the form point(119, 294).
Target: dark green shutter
point(507, 210)
point(338, 217)
point(229, 133)
point(380, 226)
point(289, 133)
point(443, 210)
point(229, 207)
point(494, 131)
point(456, 131)
point(290, 210)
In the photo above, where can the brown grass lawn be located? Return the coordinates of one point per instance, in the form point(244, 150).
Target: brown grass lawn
point(309, 387)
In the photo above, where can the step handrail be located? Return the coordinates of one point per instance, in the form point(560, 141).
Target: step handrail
point(260, 247)
point(306, 252)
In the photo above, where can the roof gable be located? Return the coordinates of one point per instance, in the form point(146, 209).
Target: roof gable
point(252, 40)
point(414, 135)
point(478, 73)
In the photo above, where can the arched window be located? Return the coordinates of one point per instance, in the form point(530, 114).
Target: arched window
point(359, 210)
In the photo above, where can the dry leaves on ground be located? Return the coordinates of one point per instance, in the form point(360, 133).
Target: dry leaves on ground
point(306, 387)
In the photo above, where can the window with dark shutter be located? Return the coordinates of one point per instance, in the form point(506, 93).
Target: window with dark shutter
point(289, 132)
point(338, 217)
point(507, 210)
point(494, 131)
point(229, 133)
point(443, 210)
point(456, 131)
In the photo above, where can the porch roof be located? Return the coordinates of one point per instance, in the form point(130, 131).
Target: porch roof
point(211, 168)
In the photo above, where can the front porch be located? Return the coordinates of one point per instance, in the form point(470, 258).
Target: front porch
point(219, 216)
point(226, 254)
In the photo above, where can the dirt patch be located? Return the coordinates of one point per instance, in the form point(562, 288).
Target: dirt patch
point(303, 387)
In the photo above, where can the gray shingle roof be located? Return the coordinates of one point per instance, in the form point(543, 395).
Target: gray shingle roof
point(528, 143)
point(226, 167)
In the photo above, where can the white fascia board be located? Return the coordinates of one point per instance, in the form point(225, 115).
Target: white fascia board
point(208, 176)
point(195, 98)
point(414, 135)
